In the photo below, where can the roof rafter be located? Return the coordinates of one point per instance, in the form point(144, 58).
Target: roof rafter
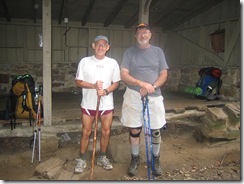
point(135, 16)
point(114, 13)
point(169, 9)
point(88, 11)
point(6, 11)
point(61, 13)
point(196, 11)
point(132, 20)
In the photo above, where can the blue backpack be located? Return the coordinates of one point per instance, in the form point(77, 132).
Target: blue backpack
point(210, 83)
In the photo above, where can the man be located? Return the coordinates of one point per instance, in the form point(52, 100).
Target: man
point(144, 70)
point(97, 75)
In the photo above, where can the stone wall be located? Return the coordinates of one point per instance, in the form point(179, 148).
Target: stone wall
point(63, 76)
point(180, 78)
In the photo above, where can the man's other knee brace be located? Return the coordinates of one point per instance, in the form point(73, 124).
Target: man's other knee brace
point(156, 136)
point(137, 134)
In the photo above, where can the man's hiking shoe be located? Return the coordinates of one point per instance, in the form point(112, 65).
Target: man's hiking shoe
point(104, 162)
point(81, 165)
point(135, 161)
point(157, 168)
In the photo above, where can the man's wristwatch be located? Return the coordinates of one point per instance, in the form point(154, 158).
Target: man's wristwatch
point(155, 87)
point(106, 91)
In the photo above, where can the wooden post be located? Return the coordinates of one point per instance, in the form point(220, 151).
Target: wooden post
point(144, 11)
point(47, 64)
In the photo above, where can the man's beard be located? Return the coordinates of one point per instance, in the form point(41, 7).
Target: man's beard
point(143, 42)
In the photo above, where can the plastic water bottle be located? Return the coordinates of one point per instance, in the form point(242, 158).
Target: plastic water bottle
point(36, 98)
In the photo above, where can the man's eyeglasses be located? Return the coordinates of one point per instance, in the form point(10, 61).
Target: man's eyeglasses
point(143, 33)
point(101, 44)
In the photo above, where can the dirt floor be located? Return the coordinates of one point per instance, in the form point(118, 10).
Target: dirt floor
point(184, 156)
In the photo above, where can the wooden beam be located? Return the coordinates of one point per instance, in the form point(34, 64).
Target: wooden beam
point(134, 18)
point(47, 61)
point(153, 3)
point(61, 13)
point(147, 5)
point(207, 4)
point(114, 13)
point(231, 44)
point(88, 11)
point(204, 51)
point(144, 10)
point(169, 11)
point(6, 11)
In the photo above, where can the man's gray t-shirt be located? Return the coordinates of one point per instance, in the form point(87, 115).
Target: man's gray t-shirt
point(144, 64)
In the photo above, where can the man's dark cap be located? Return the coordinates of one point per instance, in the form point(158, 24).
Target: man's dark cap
point(143, 25)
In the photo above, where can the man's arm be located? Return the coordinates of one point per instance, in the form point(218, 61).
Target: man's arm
point(163, 76)
point(127, 78)
point(83, 84)
point(111, 88)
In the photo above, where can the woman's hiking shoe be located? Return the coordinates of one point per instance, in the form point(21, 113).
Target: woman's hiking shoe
point(157, 168)
point(81, 165)
point(135, 161)
point(104, 162)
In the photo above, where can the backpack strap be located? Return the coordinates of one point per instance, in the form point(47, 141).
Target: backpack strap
point(218, 86)
point(24, 101)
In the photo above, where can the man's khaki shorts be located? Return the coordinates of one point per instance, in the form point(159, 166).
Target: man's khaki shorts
point(132, 110)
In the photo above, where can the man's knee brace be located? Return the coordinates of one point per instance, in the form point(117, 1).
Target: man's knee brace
point(156, 136)
point(137, 134)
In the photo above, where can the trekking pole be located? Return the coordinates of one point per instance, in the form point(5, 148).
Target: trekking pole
point(35, 133)
point(39, 144)
point(33, 147)
point(39, 130)
point(95, 137)
point(148, 137)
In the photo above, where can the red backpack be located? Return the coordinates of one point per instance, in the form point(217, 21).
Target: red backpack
point(215, 72)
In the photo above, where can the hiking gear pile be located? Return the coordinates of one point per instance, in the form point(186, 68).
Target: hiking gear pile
point(22, 100)
point(210, 83)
